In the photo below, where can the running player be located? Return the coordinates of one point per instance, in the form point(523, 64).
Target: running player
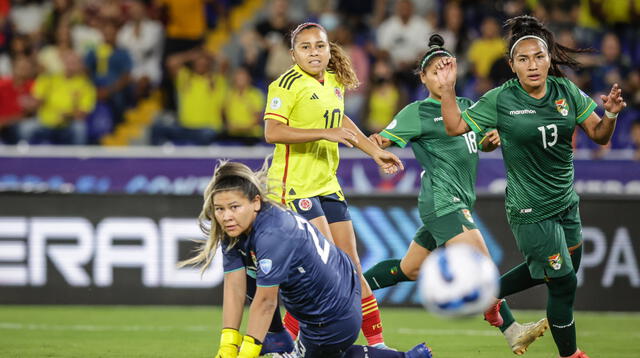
point(447, 191)
point(304, 117)
point(317, 283)
point(536, 114)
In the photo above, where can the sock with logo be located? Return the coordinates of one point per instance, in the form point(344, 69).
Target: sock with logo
point(291, 325)
point(371, 322)
point(384, 274)
point(562, 292)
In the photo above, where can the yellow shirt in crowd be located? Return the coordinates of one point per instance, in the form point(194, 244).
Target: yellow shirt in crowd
point(61, 96)
point(483, 53)
point(200, 99)
point(242, 111)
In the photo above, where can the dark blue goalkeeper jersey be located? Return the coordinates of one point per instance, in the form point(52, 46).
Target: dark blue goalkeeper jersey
point(318, 282)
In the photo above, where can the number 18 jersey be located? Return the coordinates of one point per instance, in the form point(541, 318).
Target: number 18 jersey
point(536, 143)
point(449, 163)
point(298, 100)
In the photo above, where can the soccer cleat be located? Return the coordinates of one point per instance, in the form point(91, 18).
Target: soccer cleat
point(383, 346)
point(520, 336)
point(493, 316)
point(419, 351)
point(578, 354)
point(277, 342)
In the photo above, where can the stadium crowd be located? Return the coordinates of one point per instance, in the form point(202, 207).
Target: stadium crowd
point(71, 70)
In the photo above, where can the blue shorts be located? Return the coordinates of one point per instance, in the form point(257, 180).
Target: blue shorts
point(333, 207)
point(331, 340)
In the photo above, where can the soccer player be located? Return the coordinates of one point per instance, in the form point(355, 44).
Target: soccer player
point(447, 191)
point(317, 282)
point(536, 114)
point(304, 117)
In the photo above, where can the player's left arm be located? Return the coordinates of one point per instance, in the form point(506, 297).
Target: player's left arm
point(261, 311)
point(388, 161)
point(600, 129)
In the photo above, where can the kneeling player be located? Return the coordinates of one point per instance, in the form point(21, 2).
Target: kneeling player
point(317, 282)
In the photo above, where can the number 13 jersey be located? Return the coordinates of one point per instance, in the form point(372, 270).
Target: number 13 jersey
point(298, 100)
point(536, 139)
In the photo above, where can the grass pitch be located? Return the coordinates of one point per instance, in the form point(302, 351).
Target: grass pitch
point(152, 331)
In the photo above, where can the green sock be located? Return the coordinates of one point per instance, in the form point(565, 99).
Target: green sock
point(384, 274)
point(507, 316)
point(562, 293)
point(576, 257)
point(517, 280)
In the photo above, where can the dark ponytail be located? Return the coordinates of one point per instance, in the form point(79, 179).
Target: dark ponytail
point(525, 25)
point(436, 49)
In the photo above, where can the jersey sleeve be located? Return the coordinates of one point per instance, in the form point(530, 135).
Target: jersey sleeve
point(404, 126)
point(584, 104)
point(231, 258)
point(483, 114)
point(273, 258)
point(280, 102)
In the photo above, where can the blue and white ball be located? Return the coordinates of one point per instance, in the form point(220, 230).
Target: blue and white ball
point(458, 281)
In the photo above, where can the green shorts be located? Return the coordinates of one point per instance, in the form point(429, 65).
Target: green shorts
point(436, 231)
point(545, 244)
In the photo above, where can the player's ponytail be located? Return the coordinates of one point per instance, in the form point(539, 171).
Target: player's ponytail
point(523, 27)
point(340, 64)
point(227, 176)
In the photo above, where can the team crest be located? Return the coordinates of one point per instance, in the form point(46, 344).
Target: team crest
point(562, 106)
point(555, 261)
point(467, 215)
point(305, 204)
point(265, 265)
point(338, 92)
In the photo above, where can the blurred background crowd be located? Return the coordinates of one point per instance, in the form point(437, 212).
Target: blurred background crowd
point(195, 72)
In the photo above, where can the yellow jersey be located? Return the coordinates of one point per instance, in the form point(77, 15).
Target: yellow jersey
point(61, 96)
point(200, 99)
point(298, 100)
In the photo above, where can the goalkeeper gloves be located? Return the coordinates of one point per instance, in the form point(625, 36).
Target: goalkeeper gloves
point(230, 340)
point(250, 348)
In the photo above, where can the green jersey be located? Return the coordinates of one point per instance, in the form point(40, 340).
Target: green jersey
point(449, 163)
point(536, 143)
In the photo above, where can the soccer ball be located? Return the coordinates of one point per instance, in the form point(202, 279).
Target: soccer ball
point(458, 281)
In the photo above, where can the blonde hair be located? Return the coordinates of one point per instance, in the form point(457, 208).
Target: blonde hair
point(339, 64)
point(227, 176)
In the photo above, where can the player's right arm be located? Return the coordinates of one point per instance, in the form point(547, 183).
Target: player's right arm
point(278, 132)
point(446, 74)
point(235, 289)
point(277, 115)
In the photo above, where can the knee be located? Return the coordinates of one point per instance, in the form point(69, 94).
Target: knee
point(565, 285)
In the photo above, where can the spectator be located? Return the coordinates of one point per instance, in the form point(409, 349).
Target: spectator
point(185, 26)
point(403, 36)
point(274, 31)
point(20, 46)
point(61, 12)
point(85, 33)
point(612, 68)
point(64, 101)
point(354, 99)
point(16, 101)
point(109, 67)
point(485, 50)
point(635, 137)
point(50, 57)
point(385, 97)
point(243, 109)
point(142, 38)
point(200, 97)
